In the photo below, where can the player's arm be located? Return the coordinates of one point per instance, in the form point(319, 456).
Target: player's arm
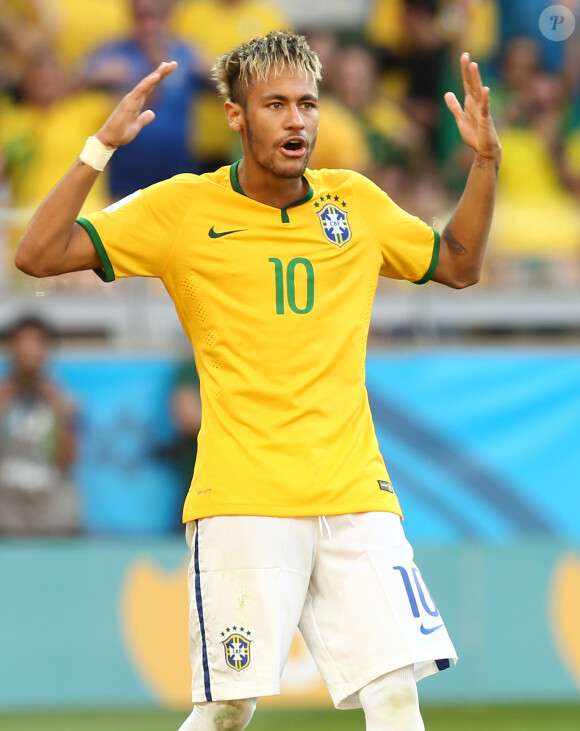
point(464, 239)
point(54, 243)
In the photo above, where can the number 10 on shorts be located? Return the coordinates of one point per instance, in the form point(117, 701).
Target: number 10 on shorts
point(416, 588)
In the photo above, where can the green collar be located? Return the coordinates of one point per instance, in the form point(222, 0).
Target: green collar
point(238, 188)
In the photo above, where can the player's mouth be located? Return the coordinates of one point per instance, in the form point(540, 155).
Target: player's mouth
point(294, 147)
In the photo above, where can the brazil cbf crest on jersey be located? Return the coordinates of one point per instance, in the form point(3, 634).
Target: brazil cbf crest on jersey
point(334, 222)
point(237, 649)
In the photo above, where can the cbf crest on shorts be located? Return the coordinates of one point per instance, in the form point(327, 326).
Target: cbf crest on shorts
point(334, 222)
point(237, 649)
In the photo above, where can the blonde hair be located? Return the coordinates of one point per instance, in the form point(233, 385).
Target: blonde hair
point(256, 59)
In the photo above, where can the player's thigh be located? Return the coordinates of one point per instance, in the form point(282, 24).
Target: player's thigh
point(247, 581)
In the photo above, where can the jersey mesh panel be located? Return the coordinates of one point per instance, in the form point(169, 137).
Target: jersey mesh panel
point(190, 291)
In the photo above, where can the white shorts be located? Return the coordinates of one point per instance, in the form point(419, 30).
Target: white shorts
point(347, 581)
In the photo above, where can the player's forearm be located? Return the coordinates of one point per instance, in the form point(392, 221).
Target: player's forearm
point(52, 244)
point(464, 239)
point(42, 250)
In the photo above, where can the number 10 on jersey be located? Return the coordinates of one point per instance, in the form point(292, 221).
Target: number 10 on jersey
point(286, 285)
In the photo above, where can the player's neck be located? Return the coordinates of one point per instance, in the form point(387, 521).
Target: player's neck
point(265, 187)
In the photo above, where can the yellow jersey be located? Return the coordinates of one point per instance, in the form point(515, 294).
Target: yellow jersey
point(277, 305)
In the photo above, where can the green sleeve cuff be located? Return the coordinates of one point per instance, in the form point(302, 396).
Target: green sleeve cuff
point(434, 260)
point(106, 272)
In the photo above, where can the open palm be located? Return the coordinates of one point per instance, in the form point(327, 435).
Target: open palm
point(129, 118)
point(473, 119)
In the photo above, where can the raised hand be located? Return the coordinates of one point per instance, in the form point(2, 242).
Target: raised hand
point(129, 118)
point(474, 120)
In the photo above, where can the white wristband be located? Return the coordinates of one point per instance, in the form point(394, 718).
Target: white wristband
point(96, 154)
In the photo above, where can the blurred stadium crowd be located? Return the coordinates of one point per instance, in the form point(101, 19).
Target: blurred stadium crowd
point(64, 65)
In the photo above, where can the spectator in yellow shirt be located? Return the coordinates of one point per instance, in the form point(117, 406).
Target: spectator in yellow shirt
point(40, 133)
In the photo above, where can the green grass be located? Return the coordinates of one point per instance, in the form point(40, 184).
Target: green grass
point(461, 718)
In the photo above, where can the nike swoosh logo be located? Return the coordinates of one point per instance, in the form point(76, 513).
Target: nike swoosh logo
point(215, 235)
point(428, 630)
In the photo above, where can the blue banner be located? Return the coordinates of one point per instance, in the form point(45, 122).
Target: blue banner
point(480, 444)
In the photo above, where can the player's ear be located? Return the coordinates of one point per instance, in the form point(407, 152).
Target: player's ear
point(234, 116)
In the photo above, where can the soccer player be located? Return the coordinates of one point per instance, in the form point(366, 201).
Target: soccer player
point(291, 516)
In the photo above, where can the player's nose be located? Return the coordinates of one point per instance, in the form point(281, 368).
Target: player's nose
point(294, 118)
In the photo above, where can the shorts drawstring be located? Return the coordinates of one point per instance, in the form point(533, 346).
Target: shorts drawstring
point(323, 522)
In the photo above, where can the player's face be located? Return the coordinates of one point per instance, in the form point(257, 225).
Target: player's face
point(279, 123)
